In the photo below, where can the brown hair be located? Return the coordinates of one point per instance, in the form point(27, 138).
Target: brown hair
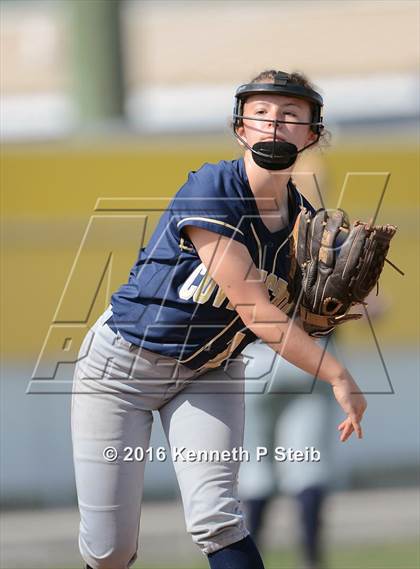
point(296, 78)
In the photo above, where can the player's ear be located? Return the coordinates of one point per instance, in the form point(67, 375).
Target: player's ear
point(241, 131)
point(311, 137)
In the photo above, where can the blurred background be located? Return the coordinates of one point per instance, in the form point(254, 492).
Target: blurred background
point(105, 107)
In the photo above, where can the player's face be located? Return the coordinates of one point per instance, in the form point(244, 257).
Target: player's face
point(280, 108)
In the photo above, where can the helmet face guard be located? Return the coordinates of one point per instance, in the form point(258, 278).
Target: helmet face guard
point(277, 155)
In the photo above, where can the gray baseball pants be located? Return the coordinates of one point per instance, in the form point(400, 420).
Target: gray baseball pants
point(116, 387)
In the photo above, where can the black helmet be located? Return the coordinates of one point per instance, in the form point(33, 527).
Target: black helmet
point(277, 155)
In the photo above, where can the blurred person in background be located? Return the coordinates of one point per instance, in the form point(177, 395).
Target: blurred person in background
point(292, 412)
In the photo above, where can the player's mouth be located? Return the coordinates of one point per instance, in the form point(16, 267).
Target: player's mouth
point(270, 139)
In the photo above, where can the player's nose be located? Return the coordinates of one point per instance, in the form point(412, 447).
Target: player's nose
point(276, 121)
point(275, 127)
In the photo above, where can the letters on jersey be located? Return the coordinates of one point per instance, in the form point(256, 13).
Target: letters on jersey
point(170, 305)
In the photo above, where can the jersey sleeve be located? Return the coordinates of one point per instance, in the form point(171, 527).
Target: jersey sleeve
point(207, 200)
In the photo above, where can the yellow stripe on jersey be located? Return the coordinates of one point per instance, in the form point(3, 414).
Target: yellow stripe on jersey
point(208, 344)
point(209, 220)
point(258, 245)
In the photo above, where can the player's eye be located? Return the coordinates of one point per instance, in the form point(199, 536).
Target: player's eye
point(290, 114)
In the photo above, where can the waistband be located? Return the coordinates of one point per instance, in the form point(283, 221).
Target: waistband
point(107, 319)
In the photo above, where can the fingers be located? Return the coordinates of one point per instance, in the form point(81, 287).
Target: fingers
point(349, 426)
point(346, 430)
point(342, 425)
point(356, 426)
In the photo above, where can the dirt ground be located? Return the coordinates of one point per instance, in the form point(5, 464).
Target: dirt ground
point(47, 539)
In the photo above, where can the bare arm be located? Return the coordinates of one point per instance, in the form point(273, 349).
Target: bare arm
point(230, 265)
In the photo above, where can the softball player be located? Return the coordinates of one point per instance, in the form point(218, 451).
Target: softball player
point(210, 281)
point(292, 413)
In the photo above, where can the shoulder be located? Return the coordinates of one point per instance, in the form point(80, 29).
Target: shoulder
point(211, 180)
point(223, 168)
point(211, 199)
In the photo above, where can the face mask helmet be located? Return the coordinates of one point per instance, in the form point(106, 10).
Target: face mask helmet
point(277, 154)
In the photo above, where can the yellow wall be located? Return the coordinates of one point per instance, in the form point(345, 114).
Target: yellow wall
point(49, 195)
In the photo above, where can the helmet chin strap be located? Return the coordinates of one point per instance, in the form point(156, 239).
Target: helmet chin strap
point(274, 154)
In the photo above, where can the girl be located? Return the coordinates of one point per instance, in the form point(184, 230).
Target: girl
point(211, 280)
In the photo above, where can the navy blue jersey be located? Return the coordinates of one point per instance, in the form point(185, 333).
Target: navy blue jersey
point(170, 304)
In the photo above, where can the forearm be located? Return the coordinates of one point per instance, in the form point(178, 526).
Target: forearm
point(285, 337)
point(238, 277)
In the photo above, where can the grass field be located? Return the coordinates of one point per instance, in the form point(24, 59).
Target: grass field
point(387, 556)
point(390, 556)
